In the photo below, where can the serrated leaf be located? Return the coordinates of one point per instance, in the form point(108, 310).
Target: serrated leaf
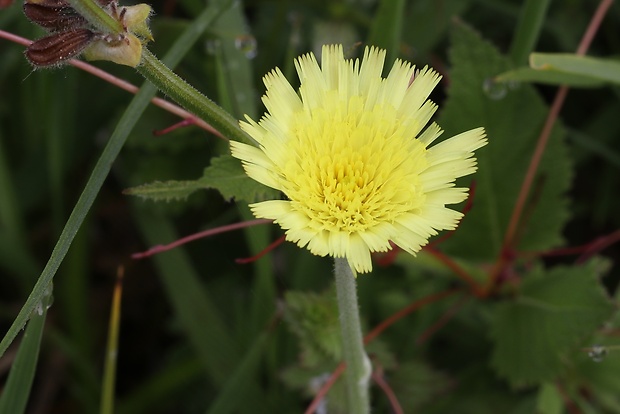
point(513, 119)
point(599, 376)
point(555, 310)
point(226, 175)
point(165, 190)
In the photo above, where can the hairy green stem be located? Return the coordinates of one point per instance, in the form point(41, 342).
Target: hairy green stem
point(357, 362)
point(189, 98)
point(97, 16)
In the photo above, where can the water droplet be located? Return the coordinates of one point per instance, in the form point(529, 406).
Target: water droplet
point(494, 90)
point(38, 309)
point(212, 46)
point(247, 45)
point(597, 353)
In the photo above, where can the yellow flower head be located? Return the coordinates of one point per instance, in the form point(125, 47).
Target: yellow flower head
point(350, 155)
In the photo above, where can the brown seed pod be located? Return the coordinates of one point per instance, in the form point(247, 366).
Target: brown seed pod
point(58, 47)
point(53, 15)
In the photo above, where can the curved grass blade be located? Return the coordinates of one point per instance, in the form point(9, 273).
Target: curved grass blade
point(17, 389)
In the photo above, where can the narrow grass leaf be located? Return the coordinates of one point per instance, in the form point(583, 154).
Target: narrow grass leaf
point(606, 70)
point(240, 386)
point(530, 24)
point(16, 391)
point(206, 330)
point(549, 77)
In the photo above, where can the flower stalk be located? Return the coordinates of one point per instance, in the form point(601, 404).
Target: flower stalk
point(358, 366)
point(188, 97)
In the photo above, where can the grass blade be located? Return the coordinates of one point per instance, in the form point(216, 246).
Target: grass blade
point(528, 29)
point(17, 388)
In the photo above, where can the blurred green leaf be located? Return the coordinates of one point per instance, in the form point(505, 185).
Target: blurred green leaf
point(513, 119)
point(387, 27)
point(165, 190)
point(551, 316)
point(549, 400)
point(416, 384)
point(240, 380)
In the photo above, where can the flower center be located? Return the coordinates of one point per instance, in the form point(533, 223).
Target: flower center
point(353, 168)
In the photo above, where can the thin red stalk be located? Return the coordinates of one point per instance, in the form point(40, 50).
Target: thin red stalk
point(533, 167)
point(266, 250)
point(406, 311)
point(165, 105)
point(223, 229)
point(325, 389)
point(556, 106)
point(458, 270)
point(598, 245)
point(445, 318)
point(387, 390)
point(586, 250)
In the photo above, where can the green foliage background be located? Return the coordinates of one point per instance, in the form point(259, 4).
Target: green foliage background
point(203, 334)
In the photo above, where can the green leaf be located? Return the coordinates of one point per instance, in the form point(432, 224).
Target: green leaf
point(599, 376)
point(548, 77)
point(226, 175)
point(513, 119)
point(314, 319)
point(605, 70)
point(556, 309)
point(549, 400)
point(165, 190)
point(416, 384)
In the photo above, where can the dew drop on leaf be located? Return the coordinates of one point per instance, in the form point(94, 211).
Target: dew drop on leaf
point(494, 90)
point(597, 353)
point(247, 45)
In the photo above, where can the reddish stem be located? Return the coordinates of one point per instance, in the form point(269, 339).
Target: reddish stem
point(266, 250)
point(458, 271)
point(509, 239)
point(406, 311)
point(223, 229)
point(442, 321)
point(325, 389)
point(377, 375)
